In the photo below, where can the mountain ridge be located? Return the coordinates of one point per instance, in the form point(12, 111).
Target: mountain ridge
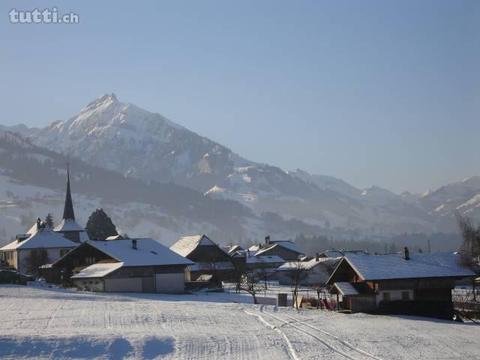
point(140, 144)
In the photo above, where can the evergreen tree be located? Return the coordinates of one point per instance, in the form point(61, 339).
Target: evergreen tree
point(49, 221)
point(100, 226)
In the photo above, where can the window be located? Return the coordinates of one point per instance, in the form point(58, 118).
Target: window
point(386, 296)
point(405, 295)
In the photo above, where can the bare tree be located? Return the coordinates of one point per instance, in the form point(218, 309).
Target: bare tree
point(297, 274)
point(470, 248)
point(251, 283)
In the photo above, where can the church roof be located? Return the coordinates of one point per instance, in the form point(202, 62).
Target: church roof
point(68, 213)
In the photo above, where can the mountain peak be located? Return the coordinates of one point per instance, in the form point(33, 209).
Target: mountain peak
point(102, 101)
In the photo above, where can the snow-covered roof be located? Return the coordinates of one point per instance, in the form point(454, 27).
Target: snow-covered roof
point(345, 288)
point(68, 225)
point(98, 270)
point(308, 265)
point(186, 244)
point(287, 244)
point(340, 253)
point(41, 239)
point(266, 259)
point(234, 248)
point(149, 252)
point(225, 265)
point(385, 267)
point(115, 237)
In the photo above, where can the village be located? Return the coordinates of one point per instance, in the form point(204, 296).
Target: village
point(273, 272)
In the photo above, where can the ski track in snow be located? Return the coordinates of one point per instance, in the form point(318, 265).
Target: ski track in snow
point(40, 323)
point(335, 345)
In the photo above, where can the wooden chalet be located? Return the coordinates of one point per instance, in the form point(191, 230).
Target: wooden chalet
point(209, 257)
point(313, 272)
point(132, 265)
point(286, 249)
point(420, 284)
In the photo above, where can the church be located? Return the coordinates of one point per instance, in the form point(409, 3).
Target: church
point(42, 244)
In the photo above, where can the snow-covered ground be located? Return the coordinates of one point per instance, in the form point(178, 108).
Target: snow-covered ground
point(48, 323)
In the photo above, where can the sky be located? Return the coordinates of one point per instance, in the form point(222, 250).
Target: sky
point(380, 93)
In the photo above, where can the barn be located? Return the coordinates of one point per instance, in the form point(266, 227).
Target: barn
point(131, 265)
point(420, 284)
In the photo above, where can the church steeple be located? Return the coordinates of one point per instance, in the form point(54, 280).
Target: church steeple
point(68, 213)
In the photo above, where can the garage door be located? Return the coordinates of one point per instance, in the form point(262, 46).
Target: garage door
point(170, 283)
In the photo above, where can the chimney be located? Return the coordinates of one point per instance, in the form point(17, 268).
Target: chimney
point(39, 224)
point(267, 239)
point(317, 256)
point(134, 244)
point(407, 253)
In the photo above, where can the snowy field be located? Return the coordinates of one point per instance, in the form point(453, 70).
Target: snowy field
point(46, 323)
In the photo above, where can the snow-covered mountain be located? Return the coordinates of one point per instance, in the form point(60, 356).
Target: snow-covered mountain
point(139, 144)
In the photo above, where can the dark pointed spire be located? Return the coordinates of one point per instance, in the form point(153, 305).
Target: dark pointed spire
point(68, 213)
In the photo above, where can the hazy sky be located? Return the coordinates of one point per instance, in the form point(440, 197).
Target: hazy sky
point(374, 92)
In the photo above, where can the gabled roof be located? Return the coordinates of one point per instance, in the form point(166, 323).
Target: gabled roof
point(310, 264)
point(267, 259)
point(41, 239)
point(390, 267)
point(187, 244)
point(288, 245)
point(345, 288)
point(98, 270)
point(149, 252)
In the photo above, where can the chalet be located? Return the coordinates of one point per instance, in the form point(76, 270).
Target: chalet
point(285, 249)
point(418, 284)
point(68, 227)
point(39, 246)
point(313, 272)
point(132, 265)
point(209, 258)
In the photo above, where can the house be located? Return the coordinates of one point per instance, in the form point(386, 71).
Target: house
point(209, 258)
point(131, 265)
point(314, 272)
point(37, 247)
point(68, 227)
point(285, 249)
point(418, 284)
